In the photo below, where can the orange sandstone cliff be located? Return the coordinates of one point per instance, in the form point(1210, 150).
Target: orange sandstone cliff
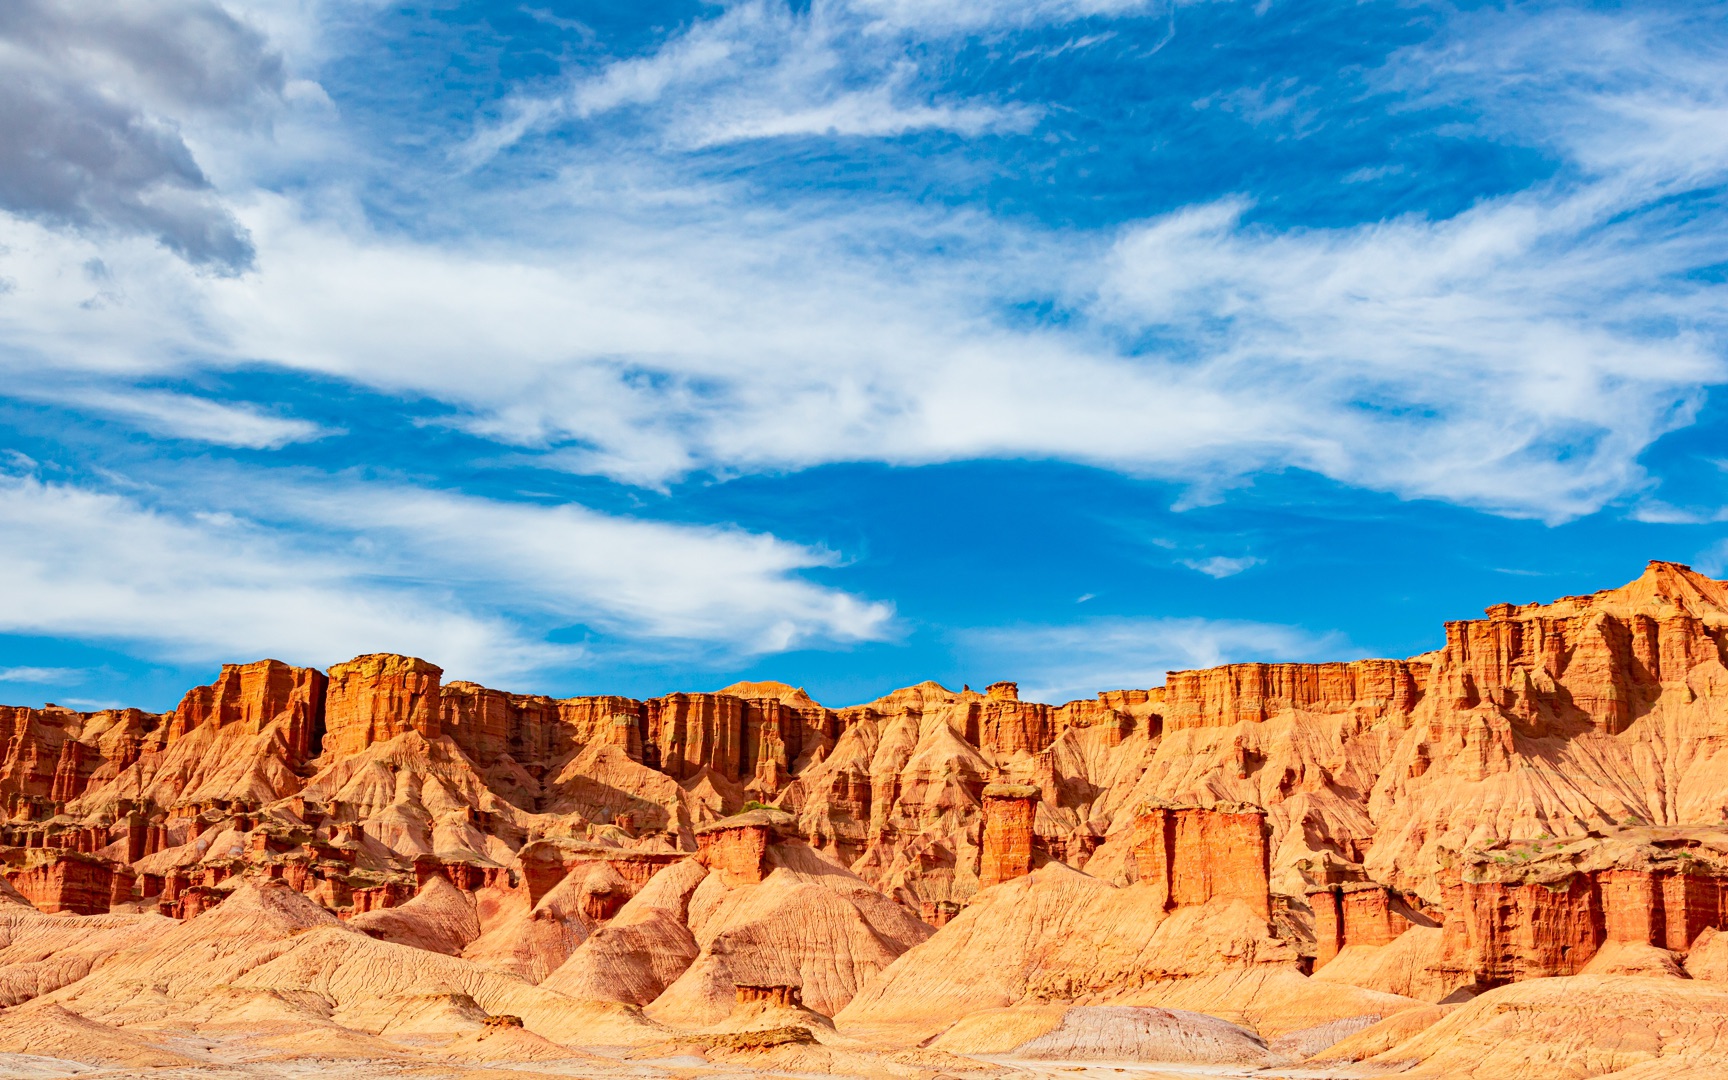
point(1544, 796)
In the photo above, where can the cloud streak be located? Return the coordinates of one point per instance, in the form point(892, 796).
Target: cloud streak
point(314, 573)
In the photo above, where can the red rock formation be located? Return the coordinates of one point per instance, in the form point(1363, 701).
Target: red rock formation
point(788, 997)
point(1496, 932)
point(190, 902)
point(372, 699)
point(1567, 718)
point(376, 898)
point(64, 881)
point(1249, 693)
point(736, 848)
point(465, 875)
point(1356, 913)
point(256, 695)
point(1009, 812)
point(545, 863)
point(1196, 854)
point(1513, 914)
point(489, 724)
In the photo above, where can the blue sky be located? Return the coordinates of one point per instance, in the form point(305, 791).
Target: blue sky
point(629, 347)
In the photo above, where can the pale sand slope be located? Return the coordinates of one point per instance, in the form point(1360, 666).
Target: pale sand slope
point(643, 949)
point(1106, 1033)
point(809, 924)
point(269, 953)
point(533, 942)
point(439, 918)
point(41, 953)
point(1058, 935)
point(1577, 1027)
point(686, 941)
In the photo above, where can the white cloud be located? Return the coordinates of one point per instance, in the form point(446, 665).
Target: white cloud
point(1061, 663)
point(323, 573)
point(931, 16)
point(39, 676)
point(760, 69)
point(1519, 356)
point(1222, 566)
point(184, 416)
point(92, 100)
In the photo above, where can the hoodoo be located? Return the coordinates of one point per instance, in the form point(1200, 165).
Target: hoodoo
point(1009, 812)
point(1307, 854)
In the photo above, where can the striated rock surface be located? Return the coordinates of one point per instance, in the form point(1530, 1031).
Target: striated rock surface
point(373, 699)
point(1317, 854)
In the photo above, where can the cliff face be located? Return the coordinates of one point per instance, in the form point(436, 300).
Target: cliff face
point(373, 699)
point(1342, 802)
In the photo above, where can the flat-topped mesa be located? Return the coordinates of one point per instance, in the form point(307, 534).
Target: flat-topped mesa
point(547, 862)
point(464, 873)
point(1196, 854)
point(257, 695)
point(1009, 813)
point(1358, 913)
point(736, 847)
point(1527, 910)
point(1604, 657)
point(1253, 693)
point(52, 754)
point(372, 699)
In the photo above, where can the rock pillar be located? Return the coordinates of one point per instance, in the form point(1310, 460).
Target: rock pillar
point(1009, 812)
point(1196, 854)
point(1328, 924)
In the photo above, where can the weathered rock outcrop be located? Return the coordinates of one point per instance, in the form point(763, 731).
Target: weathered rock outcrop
point(1539, 909)
point(1190, 855)
point(257, 695)
point(56, 881)
point(1545, 794)
point(1009, 810)
point(373, 699)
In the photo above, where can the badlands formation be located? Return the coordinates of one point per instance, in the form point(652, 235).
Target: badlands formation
point(1507, 857)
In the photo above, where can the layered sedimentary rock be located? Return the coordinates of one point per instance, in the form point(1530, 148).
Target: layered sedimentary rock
point(1191, 855)
point(736, 848)
point(1544, 795)
point(1358, 913)
point(1544, 909)
point(1009, 811)
point(56, 881)
point(373, 699)
point(256, 695)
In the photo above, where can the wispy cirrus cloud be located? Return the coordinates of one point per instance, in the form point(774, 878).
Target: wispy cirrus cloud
point(42, 676)
point(1222, 566)
point(624, 313)
point(766, 69)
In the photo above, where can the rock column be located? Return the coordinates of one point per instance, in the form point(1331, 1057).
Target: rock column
point(1009, 811)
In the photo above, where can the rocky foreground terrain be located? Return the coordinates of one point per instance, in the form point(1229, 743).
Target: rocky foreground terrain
point(1507, 857)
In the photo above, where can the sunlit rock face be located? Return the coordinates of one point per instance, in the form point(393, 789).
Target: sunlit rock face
point(1303, 849)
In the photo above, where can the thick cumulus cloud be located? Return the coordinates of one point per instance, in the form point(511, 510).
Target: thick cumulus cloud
point(92, 99)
